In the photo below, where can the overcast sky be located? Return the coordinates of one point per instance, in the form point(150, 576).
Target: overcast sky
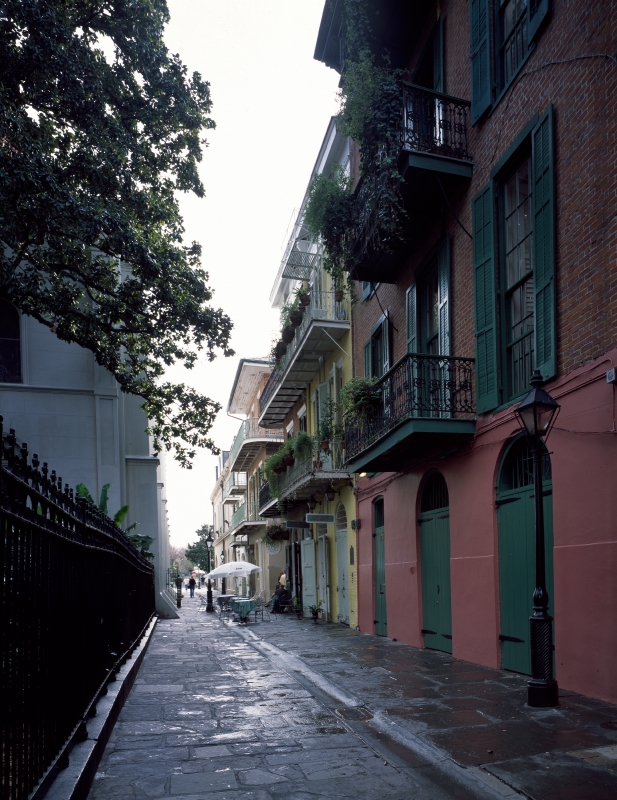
point(272, 104)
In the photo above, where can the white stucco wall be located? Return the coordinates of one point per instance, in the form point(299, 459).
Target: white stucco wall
point(71, 413)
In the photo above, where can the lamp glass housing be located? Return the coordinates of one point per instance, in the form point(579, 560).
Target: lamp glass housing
point(538, 409)
point(209, 540)
point(330, 494)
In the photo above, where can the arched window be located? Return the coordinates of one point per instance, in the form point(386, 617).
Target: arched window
point(435, 493)
point(10, 345)
point(517, 468)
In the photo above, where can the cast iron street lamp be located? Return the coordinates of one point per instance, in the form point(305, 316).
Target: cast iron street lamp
point(537, 413)
point(209, 606)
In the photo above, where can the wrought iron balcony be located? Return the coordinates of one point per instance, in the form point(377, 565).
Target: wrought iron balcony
point(245, 514)
point(250, 439)
point(427, 403)
point(234, 487)
point(324, 322)
point(304, 479)
point(433, 157)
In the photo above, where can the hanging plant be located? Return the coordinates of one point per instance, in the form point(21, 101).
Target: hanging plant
point(361, 398)
point(295, 317)
point(303, 446)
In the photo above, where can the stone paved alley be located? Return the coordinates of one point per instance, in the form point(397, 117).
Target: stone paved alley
point(289, 709)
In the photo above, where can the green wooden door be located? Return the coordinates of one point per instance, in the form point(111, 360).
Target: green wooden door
point(515, 516)
point(379, 561)
point(435, 564)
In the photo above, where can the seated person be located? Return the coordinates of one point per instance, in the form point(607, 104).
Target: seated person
point(281, 598)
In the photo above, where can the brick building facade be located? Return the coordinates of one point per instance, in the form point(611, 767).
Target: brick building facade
point(507, 151)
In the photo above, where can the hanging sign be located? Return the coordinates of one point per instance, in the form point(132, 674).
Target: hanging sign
point(297, 523)
point(325, 519)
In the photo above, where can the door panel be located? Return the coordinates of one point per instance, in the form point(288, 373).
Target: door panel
point(309, 577)
point(324, 583)
point(516, 519)
point(435, 563)
point(381, 623)
point(341, 576)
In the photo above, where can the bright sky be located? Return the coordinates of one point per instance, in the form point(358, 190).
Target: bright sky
point(272, 104)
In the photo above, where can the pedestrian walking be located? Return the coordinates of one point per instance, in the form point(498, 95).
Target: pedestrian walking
point(192, 584)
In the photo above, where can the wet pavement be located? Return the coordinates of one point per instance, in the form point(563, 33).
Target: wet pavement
point(289, 709)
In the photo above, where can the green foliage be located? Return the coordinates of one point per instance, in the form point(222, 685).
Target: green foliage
point(141, 542)
point(360, 399)
point(275, 533)
point(303, 446)
point(316, 608)
point(330, 216)
point(329, 428)
point(370, 103)
point(198, 551)
point(93, 150)
point(274, 468)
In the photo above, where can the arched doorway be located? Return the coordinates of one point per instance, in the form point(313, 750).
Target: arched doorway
point(341, 564)
point(379, 562)
point(516, 526)
point(435, 563)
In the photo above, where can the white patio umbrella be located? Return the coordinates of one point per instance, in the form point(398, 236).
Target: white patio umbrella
point(234, 569)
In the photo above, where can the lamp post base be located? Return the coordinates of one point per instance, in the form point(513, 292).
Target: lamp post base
point(209, 605)
point(542, 694)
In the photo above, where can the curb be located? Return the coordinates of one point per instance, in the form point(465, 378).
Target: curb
point(74, 782)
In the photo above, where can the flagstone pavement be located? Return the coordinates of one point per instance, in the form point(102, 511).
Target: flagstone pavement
point(291, 710)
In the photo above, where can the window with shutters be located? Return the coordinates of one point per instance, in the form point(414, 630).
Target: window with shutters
point(515, 220)
point(377, 350)
point(514, 272)
point(514, 24)
point(428, 306)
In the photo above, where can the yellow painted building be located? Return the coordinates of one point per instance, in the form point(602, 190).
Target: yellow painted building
point(302, 395)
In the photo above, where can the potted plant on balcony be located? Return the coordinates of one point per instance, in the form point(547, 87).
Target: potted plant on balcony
point(295, 316)
point(361, 398)
point(288, 454)
point(303, 297)
point(303, 446)
point(338, 294)
point(287, 334)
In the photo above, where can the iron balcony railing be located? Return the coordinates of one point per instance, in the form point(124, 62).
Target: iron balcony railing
point(430, 123)
point(236, 484)
point(250, 429)
point(439, 387)
point(264, 494)
point(322, 308)
point(76, 599)
point(247, 512)
point(433, 122)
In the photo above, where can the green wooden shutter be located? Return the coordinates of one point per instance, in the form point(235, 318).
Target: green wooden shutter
point(368, 367)
point(443, 280)
point(485, 300)
point(537, 12)
point(480, 58)
point(385, 339)
point(544, 245)
point(412, 319)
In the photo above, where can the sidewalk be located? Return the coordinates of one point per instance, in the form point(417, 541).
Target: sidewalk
point(292, 710)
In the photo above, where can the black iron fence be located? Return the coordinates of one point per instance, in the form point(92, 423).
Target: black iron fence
point(76, 599)
point(418, 385)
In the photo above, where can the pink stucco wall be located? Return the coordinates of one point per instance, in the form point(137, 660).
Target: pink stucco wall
point(583, 447)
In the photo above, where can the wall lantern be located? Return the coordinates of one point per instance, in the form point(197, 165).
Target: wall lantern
point(330, 494)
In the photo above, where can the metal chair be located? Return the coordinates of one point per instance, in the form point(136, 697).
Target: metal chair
point(261, 609)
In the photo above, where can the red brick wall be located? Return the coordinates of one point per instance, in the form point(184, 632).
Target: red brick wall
point(585, 106)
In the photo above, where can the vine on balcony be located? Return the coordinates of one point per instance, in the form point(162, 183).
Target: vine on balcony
point(370, 103)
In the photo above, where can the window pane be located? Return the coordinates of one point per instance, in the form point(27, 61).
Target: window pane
point(514, 36)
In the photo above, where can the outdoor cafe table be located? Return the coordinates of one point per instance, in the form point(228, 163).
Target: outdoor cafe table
point(221, 599)
point(242, 607)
